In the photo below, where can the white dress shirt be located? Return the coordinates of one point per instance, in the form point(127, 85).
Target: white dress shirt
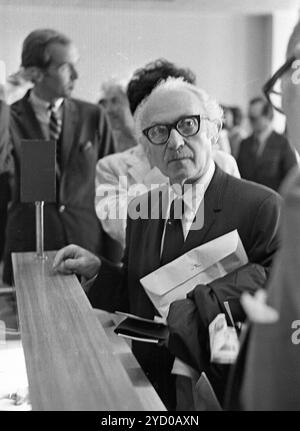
point(192, 197)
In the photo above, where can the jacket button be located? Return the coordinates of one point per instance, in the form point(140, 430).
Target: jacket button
point(62, 208)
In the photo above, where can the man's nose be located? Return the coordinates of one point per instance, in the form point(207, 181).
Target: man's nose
point(175, 140)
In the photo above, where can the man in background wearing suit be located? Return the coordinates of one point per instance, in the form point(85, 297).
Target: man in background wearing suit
point(265, 157)
point(179, 122)
point(82, 136)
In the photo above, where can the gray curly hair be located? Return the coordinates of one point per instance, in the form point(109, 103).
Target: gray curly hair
point(211, 108)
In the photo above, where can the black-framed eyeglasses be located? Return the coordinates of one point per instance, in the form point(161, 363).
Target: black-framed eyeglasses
point(187, 126)
point(272, 88)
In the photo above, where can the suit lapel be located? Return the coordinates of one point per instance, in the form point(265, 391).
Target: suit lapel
point(261, 159)
point(28, 119)
point(70, 121)
point(210, 206)
point(207, 212)
point(267, 147)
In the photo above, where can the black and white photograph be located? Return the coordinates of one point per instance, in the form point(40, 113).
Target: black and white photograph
point(149, 209)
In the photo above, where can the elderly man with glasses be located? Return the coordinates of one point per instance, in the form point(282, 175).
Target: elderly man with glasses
point(179, 123)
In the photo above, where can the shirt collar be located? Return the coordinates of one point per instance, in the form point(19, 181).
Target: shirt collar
point(263, 136)
point(194, 193)
point(39, 103)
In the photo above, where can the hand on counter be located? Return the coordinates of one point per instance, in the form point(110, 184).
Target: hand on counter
point(74, 259)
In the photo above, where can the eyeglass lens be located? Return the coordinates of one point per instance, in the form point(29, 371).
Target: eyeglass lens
point(186, 127)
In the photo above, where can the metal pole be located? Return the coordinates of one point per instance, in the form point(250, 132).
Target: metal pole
point(39, 223)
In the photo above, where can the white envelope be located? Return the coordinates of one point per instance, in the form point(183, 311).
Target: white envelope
point(201, 265)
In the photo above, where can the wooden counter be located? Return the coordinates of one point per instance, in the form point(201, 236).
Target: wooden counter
point(72, 362)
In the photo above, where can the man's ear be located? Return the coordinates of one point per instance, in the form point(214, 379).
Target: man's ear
point(34, 74)
point(217, 129)
point(219, 124)
point(146, 148)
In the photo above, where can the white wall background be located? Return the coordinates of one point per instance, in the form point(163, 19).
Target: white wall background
point(231, 54)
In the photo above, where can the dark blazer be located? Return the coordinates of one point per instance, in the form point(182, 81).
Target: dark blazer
point(86, 137)
point(272, 166)
point(229, 204)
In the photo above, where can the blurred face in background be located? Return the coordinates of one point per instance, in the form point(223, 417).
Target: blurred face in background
point(59, 78)
point(228, 119)
point(258, 121)
point(116, 104)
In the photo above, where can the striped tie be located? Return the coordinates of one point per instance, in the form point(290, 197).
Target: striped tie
point(55, 127)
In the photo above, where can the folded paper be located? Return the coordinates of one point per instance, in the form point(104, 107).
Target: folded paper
point(223, 340)
point(200, 265)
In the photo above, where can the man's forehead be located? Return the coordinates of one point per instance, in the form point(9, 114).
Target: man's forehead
point(168, 105)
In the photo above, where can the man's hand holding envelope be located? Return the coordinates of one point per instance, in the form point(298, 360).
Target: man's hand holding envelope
point(200, 265)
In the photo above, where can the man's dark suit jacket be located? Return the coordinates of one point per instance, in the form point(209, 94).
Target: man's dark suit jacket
point(86, 137)
point(229, 204)
point(272, 166)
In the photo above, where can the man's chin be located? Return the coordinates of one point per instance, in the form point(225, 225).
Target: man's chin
point(68, 92)
point(179, 176)
point(184, 176)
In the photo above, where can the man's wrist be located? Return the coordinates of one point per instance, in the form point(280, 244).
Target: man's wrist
point(88, 279)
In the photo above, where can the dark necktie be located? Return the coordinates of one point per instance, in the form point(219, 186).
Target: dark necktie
point(174, 239)
point(55, 127)
point(255, 146)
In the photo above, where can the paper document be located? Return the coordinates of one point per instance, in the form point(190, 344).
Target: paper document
point(201, 265)
point(223, 340)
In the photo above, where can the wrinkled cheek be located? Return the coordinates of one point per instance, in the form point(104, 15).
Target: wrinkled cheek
point(206, 141)
point(154, 157)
